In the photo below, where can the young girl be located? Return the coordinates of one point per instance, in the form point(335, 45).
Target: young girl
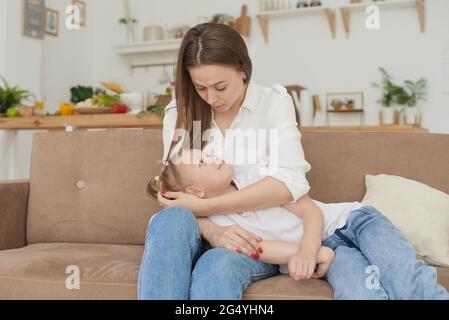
point(281, 227)
point(204, 176)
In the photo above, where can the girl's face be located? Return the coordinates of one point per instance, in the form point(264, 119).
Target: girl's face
point(220, 86)
point(209, 175)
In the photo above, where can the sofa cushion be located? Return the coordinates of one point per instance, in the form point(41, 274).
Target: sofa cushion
point(90, 187)
point(283, 287)
point(38, 271)
point(419, 211)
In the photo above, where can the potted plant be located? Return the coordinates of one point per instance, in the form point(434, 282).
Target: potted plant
point(10, 98)
point(129, 23)
point(416, 92)
point(393, 99)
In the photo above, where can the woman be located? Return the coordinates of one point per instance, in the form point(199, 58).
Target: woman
point(213, 86)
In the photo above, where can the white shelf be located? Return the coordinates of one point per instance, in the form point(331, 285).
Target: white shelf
point(387, 4)
point(345, 10)
point(264, 17)
point(292, 12)
point(151, 53)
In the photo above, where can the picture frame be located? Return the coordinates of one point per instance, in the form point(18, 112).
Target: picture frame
point(33, 18)
point(82, 6)
point(345, 102)
point(51, 22)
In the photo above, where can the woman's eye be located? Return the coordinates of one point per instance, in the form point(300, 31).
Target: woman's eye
point(221, 89)
point(200, 89)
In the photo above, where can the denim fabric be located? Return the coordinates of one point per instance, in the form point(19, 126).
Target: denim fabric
point(373, 260)
point(178, 264)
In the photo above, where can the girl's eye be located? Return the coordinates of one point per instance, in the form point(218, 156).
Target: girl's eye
point(221, 89)
point(200, 89)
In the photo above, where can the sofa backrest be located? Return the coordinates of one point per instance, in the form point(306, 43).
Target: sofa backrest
point(90, 187)
point(340, 161)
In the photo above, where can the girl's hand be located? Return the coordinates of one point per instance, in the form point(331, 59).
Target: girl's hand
point(302, 264)
point(180, 199)
point(236, 239)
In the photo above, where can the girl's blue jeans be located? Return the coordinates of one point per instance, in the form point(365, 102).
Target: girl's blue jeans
point(373, 260)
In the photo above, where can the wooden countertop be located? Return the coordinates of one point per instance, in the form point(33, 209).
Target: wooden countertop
point(149, 120)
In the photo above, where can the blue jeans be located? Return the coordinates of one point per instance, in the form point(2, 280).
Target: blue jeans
point(178, 264)
point(373, 260)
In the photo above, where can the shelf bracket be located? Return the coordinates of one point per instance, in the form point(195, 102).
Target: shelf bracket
point(346, 15)
point(420, 6)
point(331, 19)
point(263, 22)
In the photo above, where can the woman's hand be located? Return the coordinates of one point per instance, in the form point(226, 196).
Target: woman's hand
point(180, 199)
point(236, 239)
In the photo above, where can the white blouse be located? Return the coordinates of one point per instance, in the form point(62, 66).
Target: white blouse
point(264, 134)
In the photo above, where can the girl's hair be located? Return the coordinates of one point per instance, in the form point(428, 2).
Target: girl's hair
point(205, 44)
point(169, 180)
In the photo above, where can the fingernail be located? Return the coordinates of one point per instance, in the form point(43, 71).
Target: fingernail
point(255, 255)
point(260, 250)
point(238, 250)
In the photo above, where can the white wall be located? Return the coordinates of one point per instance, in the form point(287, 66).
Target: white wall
point(47, 67)
point(68, 57)
point(301, 50)
point(2, 35)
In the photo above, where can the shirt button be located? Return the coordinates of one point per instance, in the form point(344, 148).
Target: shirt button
point(80, 184)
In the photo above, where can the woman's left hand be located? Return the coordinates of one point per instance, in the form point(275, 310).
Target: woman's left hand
point(180, 199)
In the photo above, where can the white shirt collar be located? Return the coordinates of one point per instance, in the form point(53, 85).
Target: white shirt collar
point(251, 96)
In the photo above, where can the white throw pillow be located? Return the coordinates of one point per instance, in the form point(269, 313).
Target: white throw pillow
point(419, 211)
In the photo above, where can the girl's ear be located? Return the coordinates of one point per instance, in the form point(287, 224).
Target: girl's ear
point(195, 191)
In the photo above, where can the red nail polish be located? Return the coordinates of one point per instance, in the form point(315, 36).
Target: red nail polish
point(238, 251)
point(255, 255)
point(260, 250)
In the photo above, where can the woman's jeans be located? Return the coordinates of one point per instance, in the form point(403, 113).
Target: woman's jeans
point(373, 260)
point(178, 265)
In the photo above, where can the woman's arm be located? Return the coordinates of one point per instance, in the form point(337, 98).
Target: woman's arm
point(285, 182)
point(231, 237)
point(266, 193)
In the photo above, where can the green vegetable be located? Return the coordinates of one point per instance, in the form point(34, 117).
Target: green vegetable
point(105, 100)
point(81, 93)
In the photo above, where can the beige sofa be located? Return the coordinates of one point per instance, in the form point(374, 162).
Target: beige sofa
point(85, 205)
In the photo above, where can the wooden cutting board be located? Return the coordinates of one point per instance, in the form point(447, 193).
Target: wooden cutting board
point(243, 23)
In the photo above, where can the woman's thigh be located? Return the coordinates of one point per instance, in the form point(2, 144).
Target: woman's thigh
point(222, 274)
point(352, 277)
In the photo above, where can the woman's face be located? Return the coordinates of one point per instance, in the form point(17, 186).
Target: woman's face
point(220, 86)
point(208, 174)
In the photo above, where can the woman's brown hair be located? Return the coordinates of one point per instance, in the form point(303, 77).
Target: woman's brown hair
point(205, 44)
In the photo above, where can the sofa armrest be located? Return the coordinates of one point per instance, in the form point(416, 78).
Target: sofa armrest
point(13, 213)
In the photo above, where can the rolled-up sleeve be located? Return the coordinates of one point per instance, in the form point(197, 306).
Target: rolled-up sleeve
point(291, 166)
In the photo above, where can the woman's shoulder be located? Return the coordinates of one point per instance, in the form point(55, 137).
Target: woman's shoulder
point(267, 96)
